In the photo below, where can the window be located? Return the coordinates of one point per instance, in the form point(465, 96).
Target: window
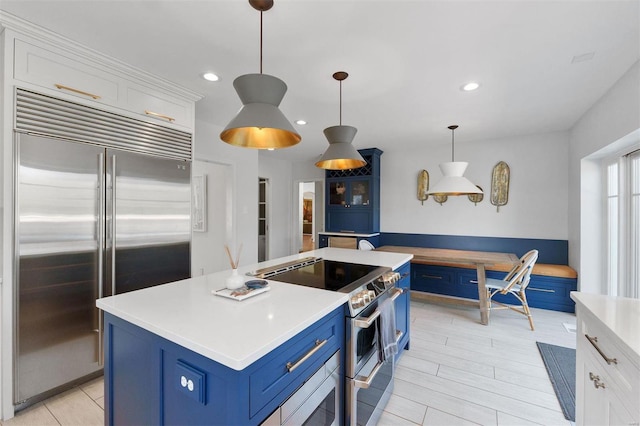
point(622, 229)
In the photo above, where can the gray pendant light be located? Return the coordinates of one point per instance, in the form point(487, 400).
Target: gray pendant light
point(453, 182)
point(260, 124)
point(341, 154)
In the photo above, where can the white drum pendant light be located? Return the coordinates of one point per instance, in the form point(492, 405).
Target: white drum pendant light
point(341, 154)
point(260, 124)
point(453, 182)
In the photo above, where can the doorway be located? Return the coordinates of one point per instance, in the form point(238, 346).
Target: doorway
point(311, 214)
point(263, 224)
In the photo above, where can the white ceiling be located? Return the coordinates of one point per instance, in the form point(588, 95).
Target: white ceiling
point(406, 60)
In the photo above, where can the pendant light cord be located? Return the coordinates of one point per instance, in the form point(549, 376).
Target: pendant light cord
point(341, 102)
point(452, 145)
point(260, 42)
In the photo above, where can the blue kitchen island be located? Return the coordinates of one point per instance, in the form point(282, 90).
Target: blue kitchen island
point(178, 354)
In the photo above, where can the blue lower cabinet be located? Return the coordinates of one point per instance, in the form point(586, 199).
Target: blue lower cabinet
point(402, 307)
point(149, 380)
point(543, 292)
point(433, 279)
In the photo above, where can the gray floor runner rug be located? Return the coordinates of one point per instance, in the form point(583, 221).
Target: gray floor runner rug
point(561, 366)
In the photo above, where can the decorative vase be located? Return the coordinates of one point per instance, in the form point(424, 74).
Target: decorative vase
point(235, 280)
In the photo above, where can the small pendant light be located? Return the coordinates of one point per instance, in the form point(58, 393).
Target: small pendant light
point(341, 154)
point(260, 124)
point(453, 182)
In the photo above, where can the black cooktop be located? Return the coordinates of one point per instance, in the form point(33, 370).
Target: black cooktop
point(326, 274)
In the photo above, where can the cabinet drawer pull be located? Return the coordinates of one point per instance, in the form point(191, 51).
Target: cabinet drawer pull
point(473, 281)
point(404, 275)
point(544, 290)
point(433, 277)
point(594, 342)
point(80, 92)
point(319, 343)
point(593, 377)
point(158, 115)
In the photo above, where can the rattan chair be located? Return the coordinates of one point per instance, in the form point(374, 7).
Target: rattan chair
point(514, 283)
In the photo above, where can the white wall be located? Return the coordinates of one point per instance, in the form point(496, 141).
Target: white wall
point(242, 165)
point(610, 120)
point(282, 210)
point(537, 206)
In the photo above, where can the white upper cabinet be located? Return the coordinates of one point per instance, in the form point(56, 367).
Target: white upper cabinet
point(60, 68)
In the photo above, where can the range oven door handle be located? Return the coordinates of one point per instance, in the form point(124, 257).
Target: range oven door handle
point(365, 382)
point(367, 321)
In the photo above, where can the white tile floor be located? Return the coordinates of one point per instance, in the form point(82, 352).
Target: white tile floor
point(457, 372)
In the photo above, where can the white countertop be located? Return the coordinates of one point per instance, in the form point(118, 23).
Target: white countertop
point(621, 315)
point(235, 333)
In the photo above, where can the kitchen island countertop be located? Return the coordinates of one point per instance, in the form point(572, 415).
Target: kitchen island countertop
point(234, 333)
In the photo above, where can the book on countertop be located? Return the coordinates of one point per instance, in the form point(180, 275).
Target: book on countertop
point(241, 293)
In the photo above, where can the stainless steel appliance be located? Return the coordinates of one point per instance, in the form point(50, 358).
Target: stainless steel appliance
point(316, 402)
point(91, 221)
point(369, 379)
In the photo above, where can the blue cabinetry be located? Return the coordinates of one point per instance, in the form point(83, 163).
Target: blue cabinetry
point(353, 196)
point(150, 380)
point(543, 292)
point(402, 307)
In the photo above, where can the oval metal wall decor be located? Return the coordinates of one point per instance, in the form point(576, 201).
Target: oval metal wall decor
point(440, 199)
point(423, 186)
point(500, 185)
point(476, 198)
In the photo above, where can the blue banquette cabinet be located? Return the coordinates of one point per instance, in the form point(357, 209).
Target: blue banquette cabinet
point(546, 292)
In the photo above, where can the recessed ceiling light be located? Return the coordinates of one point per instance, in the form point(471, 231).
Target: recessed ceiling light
point(470, 86)
point(271, 149)
point(301, 122)
point(210, 76)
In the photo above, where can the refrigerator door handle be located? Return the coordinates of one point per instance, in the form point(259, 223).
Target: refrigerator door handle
point(101, 232)
point(113, 225)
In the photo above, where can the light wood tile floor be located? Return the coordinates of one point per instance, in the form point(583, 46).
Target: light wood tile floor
point(457, 372)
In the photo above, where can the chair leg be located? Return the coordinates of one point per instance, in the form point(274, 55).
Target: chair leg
point(525, 306)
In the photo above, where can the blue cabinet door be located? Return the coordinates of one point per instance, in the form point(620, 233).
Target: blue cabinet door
point(402, 307)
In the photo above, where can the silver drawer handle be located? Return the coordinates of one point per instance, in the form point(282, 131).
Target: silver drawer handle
point(292, 366)
point(435, 277)
point(594, 342)
point(473, 281)
point(541, 289)
point(365, 382)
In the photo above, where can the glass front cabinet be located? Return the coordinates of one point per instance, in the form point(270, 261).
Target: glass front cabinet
point(353, 196)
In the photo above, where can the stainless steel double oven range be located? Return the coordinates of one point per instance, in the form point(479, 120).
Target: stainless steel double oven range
point(368, 380)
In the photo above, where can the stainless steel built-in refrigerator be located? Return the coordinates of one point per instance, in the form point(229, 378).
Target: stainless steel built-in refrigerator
point(90, 222)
